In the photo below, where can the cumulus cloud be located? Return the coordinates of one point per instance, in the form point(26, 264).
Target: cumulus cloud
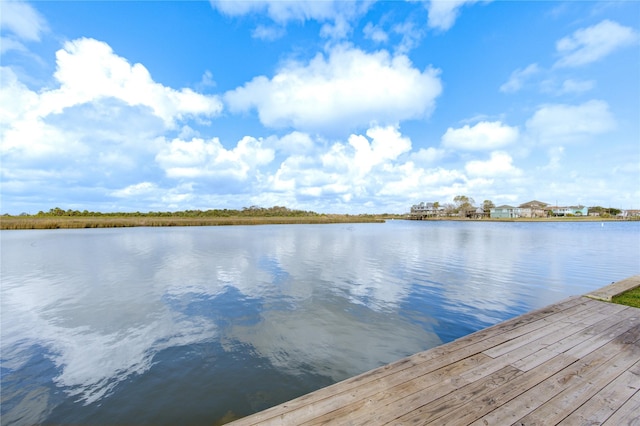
point(344, 89)
point(427, 155)
point(98, 126)
point(94, 85)
point(591, 44)
point(518, 78)
point(483, 136)
point(443, 13)
point(500, 163)
point(386, 144)
point(136, 190)
point(199, 158)
point(357, 168)
point(88, 69)
point(560, 123)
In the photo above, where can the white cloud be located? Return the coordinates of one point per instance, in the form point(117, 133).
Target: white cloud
point(280, 11)
point(8, 43)
point(204, 159)
point(136, 190)
point(336, 14)
point(500, 163)
point(386, 144)
point(577, 86)
point(443, 13)
point(294, 143)
point(411, 36)
point(591, 44)
point(97, 130)
point(560, 123)
point(427, 155)
point(22, 20)
point(518, 78)
point(376, 169)
point(345, 89)
point(568, 86)
point(95, 88)
point(375, 33)
point(356, 169)
point(269, 33)
point(555, 155)
point(88, 70)
point(483, 136)
point(15, 97)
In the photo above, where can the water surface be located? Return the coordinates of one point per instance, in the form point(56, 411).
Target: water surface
point(196, 325)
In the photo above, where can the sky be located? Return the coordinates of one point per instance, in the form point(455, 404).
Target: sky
point(333, 106)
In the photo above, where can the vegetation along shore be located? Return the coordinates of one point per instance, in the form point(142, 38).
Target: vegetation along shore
point(57, 218)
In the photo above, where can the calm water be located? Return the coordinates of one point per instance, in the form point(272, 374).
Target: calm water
point(192, 325)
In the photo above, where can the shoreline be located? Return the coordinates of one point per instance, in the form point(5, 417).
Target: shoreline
point(74, 222)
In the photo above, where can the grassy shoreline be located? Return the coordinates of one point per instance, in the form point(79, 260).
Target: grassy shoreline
point(76, 222)
point(628, 298)
point(73, 222)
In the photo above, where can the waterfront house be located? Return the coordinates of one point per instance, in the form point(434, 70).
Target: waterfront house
point(422, 210)
point(570, 211)
point(505, 212)
point(533, 208)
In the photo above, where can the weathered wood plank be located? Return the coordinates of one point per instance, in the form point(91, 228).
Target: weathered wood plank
point(627, 414)
point(421, 413)
point(588, 339)
point(587, 383)
point(486, 402)
point(373, 397)
point(539, 394)
point(605, 402)
point(591, 312)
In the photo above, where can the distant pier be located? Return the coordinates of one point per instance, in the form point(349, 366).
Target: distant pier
point(574, 362)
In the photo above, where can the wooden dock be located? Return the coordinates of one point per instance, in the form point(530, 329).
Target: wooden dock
point(575, 362)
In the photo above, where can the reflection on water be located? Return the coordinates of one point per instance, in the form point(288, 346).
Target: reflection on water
point(196, 325)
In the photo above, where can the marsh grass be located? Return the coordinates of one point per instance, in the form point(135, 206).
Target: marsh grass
point(69, 222)
point(629, 298)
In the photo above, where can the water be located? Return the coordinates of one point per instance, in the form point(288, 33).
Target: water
point(203, 325)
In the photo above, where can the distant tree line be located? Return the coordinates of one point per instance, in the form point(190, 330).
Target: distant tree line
point(253, 211)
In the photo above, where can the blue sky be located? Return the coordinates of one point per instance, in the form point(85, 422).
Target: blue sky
point(331, 106)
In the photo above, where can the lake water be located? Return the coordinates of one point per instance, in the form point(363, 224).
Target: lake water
point(199, 325)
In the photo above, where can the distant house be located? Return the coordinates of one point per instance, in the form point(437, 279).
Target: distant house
point(533, 209)
point(422, 210)
point(505, 212)
point(628, 214)
point(570, 211)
